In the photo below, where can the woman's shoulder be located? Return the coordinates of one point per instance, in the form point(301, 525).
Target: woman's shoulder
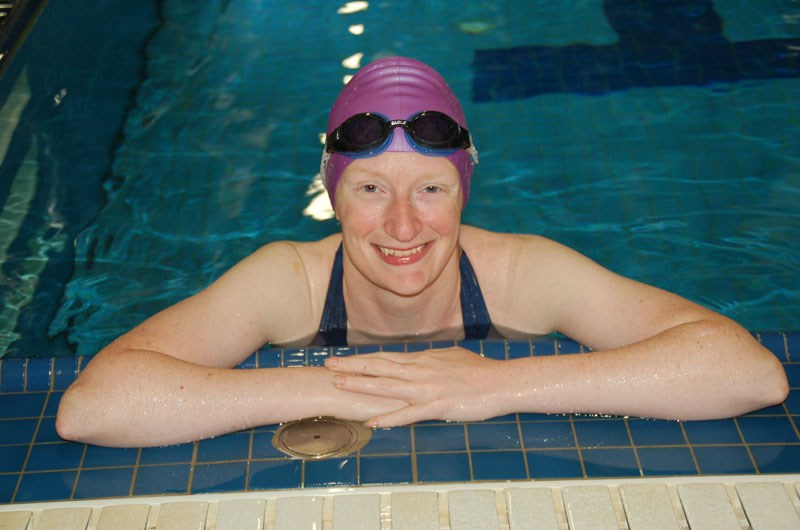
point(490, 245)
point(310, 254)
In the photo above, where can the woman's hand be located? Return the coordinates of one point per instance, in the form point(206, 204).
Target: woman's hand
point(451, 384)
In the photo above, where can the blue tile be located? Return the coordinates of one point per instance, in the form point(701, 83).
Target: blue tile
point(519, 349)
point(27, 405)
point(249, 363)
point(610, 463)
point(47, 457)
point(793, 402)
point(547, 434)
point(12, 375)
point(97, 456)
point(235, 446)
point(656, 432)
point(567, 346)
point(389, 347)
point(39, 374)
point(495, 350)
point(768, 430)
point(471, 345)
point(723, 460)
point(275, 474)
point(317, 356)
point(54, 486)
point(774, 342)
point(294, 358)
point(544, 346)
point(64, 372)
point(793, 374)
point(171, 454)
point(157, 480)
point(12, 458)
point(99, 483)
point(601, 433)
point(333, 472)
point(775, 410)
point(493, 436)
point(498, 465)
point(386, 470)
point(667, 461)
point(269, 358)
point(395, 440)
point(360, 350)
point(712, 432)
point(52, 404)
point(418, 346)
point(8, 483)
point(557, 463)
point(262, 445)
point(443, 467)
point(436, 438)
point(440, 344)
point(219, 477)
point(47, 431)
point(776, 458)
point(793, 345)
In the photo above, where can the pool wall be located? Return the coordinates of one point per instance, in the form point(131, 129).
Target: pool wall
point(36, 465)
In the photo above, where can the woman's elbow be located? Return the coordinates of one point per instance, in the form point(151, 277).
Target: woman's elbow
point(775, 387)
point(71, 419)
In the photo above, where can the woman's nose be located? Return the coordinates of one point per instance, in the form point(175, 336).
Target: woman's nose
point(402, 221)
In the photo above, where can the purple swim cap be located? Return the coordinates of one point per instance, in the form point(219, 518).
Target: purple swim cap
point(397, 88)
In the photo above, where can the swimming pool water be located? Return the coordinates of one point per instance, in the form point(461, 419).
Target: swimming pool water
point(153, 166)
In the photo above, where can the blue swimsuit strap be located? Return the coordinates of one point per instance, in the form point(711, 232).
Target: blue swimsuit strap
point(333, 327)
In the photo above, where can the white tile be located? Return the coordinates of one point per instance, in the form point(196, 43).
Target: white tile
point(299, 513)
point(472, 510)
point(589, 508)
point(708, 506)
point(182, 516)
point(357, 512)
point(14, 520)
point(241, 514)
point(531, 509)
point(415, 510)
point(648, 507)
point(124, 517)
point(768, 506)
point(64, 519)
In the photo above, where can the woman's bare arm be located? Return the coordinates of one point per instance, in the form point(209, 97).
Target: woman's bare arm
point(656, 354)
point(172, 378)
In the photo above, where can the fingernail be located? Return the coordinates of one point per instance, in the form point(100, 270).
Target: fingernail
point(331, 361)
point(339, 380)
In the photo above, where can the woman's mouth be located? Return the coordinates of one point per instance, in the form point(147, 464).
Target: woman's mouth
point(397, 256)
point(400, 253)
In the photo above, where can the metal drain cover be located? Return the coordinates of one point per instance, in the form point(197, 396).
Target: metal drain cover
point(319, 438)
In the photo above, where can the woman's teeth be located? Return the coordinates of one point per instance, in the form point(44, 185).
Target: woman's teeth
point(401, 253)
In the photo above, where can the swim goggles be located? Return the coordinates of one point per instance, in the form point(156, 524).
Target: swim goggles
point(368, 133)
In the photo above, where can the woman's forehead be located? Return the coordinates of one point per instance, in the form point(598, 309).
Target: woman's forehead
point(394, 163)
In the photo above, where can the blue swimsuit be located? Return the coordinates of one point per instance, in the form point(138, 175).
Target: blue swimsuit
point(333, 327)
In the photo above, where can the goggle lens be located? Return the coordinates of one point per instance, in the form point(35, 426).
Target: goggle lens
point(366, 132)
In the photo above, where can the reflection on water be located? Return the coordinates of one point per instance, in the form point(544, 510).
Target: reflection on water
point(690, 188)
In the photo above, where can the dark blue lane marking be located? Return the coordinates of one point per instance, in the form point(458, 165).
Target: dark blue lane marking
point(661, 43)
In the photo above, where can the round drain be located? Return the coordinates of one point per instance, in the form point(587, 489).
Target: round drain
point(318, 438)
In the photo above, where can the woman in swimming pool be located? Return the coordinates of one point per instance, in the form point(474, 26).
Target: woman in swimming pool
point(397, 165)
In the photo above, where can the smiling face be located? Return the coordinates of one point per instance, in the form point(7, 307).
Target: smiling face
point(400, 215)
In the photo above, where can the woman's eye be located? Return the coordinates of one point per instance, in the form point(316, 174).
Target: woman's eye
point(370, 188)
point(432, 189)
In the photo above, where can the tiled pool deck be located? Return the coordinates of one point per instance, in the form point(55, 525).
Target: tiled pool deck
point(36, 465)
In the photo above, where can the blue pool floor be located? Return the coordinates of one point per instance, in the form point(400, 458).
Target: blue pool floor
point(36, 465)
